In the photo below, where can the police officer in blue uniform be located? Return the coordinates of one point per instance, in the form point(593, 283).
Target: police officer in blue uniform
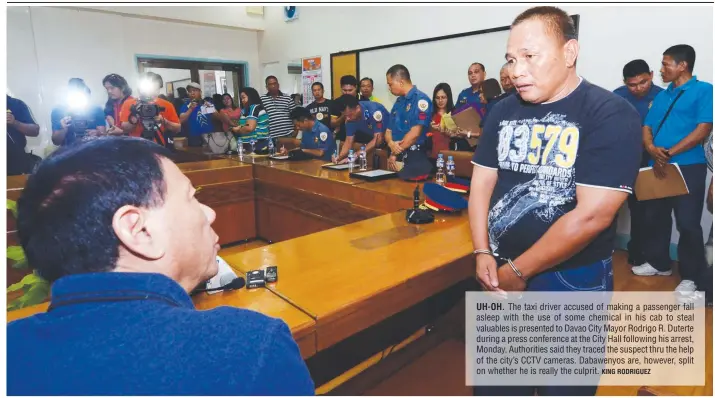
point(365, 123)
point(317, 141)
point(639, 91)
point(470, 95)
point(410, 119)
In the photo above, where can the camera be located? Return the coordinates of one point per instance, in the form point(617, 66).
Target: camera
point(79, 125)
point(146, 110)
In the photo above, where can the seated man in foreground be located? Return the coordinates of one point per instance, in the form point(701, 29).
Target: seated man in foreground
point(317, 140)
point(99, 220)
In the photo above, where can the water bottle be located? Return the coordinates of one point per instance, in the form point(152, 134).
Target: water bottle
point(240, 147)
point(439, 178)
point(450, 166)
point(363, 159)
point(253, 146)
point(351, 160)
point(271, 148)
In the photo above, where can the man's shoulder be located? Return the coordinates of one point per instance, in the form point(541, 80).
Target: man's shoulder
point(702, 86)
point(15, 103)
point(160, 101)
point(595, 95)
point(465, 92)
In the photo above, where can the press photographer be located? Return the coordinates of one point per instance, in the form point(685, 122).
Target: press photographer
point(149, 116)
point(76, 119)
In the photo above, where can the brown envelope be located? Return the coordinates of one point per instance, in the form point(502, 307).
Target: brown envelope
point(649, 187)
point(467, 119)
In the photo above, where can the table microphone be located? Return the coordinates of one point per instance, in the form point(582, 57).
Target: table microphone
point(228, 282)
point(415, 215)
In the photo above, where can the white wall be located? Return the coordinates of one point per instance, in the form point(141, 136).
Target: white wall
point(234, 16)
point(90, 45)
point(609, 36)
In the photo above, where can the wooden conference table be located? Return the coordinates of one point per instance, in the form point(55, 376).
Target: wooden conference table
point(346, 257)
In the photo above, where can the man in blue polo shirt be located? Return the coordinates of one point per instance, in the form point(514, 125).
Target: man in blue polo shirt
point(193, 112)
point(365, 123)
point(135, 243)
point(640, 92)
point(317, 140)
point(470, 95)
point(408, 125)
point(676, 137)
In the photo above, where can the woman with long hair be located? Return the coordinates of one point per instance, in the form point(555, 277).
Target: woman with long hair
point(230, 114)
point(118, 91)
point(442, 103)
point(254, 118)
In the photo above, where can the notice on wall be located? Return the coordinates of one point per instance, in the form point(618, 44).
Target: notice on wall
point(584, 338)
point(312, 72)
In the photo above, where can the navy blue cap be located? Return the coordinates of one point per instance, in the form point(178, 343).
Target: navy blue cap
point(456, 184)
point(417, 166)
point(441, 199)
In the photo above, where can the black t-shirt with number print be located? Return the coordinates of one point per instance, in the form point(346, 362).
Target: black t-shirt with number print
point(543, 151)
point(321, 111)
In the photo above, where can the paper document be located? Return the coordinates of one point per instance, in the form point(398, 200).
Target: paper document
point(375, 173)
point(649, 187)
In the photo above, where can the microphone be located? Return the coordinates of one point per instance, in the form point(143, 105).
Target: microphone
point(416, 215)
point(228, 282)
point(416, 197)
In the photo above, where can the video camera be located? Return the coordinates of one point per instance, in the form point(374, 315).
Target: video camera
point(145, 111)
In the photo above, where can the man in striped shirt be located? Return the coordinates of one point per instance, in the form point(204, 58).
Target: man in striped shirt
point(278, 107)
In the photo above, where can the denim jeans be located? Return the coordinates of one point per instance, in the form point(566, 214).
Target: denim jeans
point(596, 277)
point(688, 210)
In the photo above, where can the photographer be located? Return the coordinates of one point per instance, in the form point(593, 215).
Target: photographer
point(76, 118)
point(150, 117)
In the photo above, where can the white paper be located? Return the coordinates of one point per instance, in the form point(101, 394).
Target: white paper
point(338, 166)
point(207, 110)
point(375, 173)
point(280, 157)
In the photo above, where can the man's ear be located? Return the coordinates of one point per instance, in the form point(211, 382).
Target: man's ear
point(131, 227)
point(571, 49)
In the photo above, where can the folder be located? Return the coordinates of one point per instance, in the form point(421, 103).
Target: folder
point(649, 187)
point(468, 119)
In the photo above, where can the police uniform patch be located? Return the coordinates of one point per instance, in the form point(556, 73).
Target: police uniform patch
point(323, 136)
point(319, 116)
point(422, 105)
point(377, 116)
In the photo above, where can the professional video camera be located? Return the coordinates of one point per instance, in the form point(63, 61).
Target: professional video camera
point(146, 110)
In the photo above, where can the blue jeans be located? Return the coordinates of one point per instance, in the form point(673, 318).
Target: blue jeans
point(596, 277)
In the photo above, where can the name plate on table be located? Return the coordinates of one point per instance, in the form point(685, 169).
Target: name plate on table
point(374, 175)
point(333, 166)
